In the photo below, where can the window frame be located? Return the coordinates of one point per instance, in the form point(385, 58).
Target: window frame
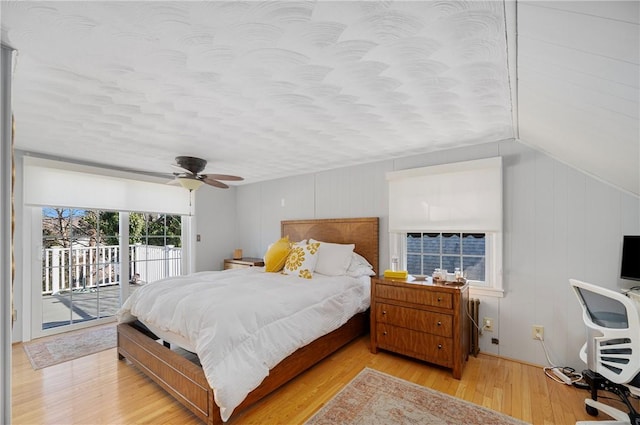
point(492, 286)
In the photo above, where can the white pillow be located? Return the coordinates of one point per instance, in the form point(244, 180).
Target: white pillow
point(302, 260)
point(359, 260)
point(359, 266)
point(333, 258)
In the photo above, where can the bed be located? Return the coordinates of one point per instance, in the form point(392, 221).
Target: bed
point(185, 379)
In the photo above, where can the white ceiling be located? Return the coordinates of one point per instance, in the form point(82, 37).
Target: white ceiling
point(274, 89)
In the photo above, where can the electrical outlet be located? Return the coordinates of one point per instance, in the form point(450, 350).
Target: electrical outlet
point(537, 332)
point(487, 324)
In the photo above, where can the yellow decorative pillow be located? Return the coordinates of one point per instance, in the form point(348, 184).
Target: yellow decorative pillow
point(302, 260)
point(276, 255)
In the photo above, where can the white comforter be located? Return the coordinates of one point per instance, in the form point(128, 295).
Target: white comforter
point(243, 322)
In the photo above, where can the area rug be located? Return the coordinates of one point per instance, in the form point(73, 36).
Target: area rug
point(52, 350)
point(373, 397)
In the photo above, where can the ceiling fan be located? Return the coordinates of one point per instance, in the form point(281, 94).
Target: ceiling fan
point(190, 178)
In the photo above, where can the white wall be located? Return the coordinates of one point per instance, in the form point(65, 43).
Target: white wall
point(262, 206)
point(559, 223)
point(215, 222)
point(578, 91)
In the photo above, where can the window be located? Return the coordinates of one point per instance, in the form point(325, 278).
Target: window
point(155, 246)
point(466, 251)
point(449, 216)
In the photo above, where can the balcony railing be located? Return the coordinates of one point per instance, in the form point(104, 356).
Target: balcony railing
point(67, 269)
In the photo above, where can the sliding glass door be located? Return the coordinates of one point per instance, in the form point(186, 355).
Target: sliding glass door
point(82, 256)
point(155, 246)
point(80, 266)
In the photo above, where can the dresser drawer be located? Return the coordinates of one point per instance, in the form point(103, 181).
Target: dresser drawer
point(228, 266)
point(426, 321)
point(432, 348)
point(415, 295)
point(242, 263)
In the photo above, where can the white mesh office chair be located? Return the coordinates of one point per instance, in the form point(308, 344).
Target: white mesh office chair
point(612, 350)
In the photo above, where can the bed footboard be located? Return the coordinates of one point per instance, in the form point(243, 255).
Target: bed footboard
point(186, 382)
point(181, 378)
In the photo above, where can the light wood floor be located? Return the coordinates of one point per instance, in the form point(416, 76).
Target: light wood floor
point(99, 389)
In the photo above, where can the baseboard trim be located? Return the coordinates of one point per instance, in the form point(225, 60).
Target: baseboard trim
point(522, 362)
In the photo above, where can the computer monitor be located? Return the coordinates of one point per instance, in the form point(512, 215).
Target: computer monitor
point(630, 263)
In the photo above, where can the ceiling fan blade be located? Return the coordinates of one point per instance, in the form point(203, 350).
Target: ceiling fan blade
point(173, 182)
point(224, 177)
point(213, 182)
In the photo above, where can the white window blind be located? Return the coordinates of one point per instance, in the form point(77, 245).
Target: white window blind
point(461, 196)
point(48, 183)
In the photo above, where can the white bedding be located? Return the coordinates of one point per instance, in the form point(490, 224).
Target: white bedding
point(243, 322)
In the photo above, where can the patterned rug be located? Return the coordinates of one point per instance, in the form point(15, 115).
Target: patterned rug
point(52, 350)
point(373, 397)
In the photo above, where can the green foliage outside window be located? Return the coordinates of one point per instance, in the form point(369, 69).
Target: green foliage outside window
point(62, 226)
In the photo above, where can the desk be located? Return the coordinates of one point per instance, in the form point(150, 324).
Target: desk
point(634, 294)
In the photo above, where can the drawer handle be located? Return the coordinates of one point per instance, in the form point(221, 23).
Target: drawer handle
point(439, 323)
point(439, 299)
point(439, 346)
point(384, 312)
point(384, 333)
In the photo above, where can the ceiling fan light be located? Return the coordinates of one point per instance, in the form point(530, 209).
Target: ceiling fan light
point(189, 183)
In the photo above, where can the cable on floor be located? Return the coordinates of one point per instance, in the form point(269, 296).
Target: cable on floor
point(560, 374)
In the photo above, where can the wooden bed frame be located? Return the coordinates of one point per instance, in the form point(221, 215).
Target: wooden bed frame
point(185, 380)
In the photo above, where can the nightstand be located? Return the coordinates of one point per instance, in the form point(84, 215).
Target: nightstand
point(242, 263)
point(421, 320)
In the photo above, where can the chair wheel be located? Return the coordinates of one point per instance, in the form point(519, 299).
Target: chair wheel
point(591, 410)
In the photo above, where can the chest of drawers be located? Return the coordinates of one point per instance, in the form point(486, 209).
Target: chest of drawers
point(424, 321)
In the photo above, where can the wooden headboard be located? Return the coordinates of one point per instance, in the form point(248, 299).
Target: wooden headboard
point(363, 232)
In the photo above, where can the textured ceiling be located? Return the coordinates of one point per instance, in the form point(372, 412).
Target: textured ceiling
point(259, 89)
